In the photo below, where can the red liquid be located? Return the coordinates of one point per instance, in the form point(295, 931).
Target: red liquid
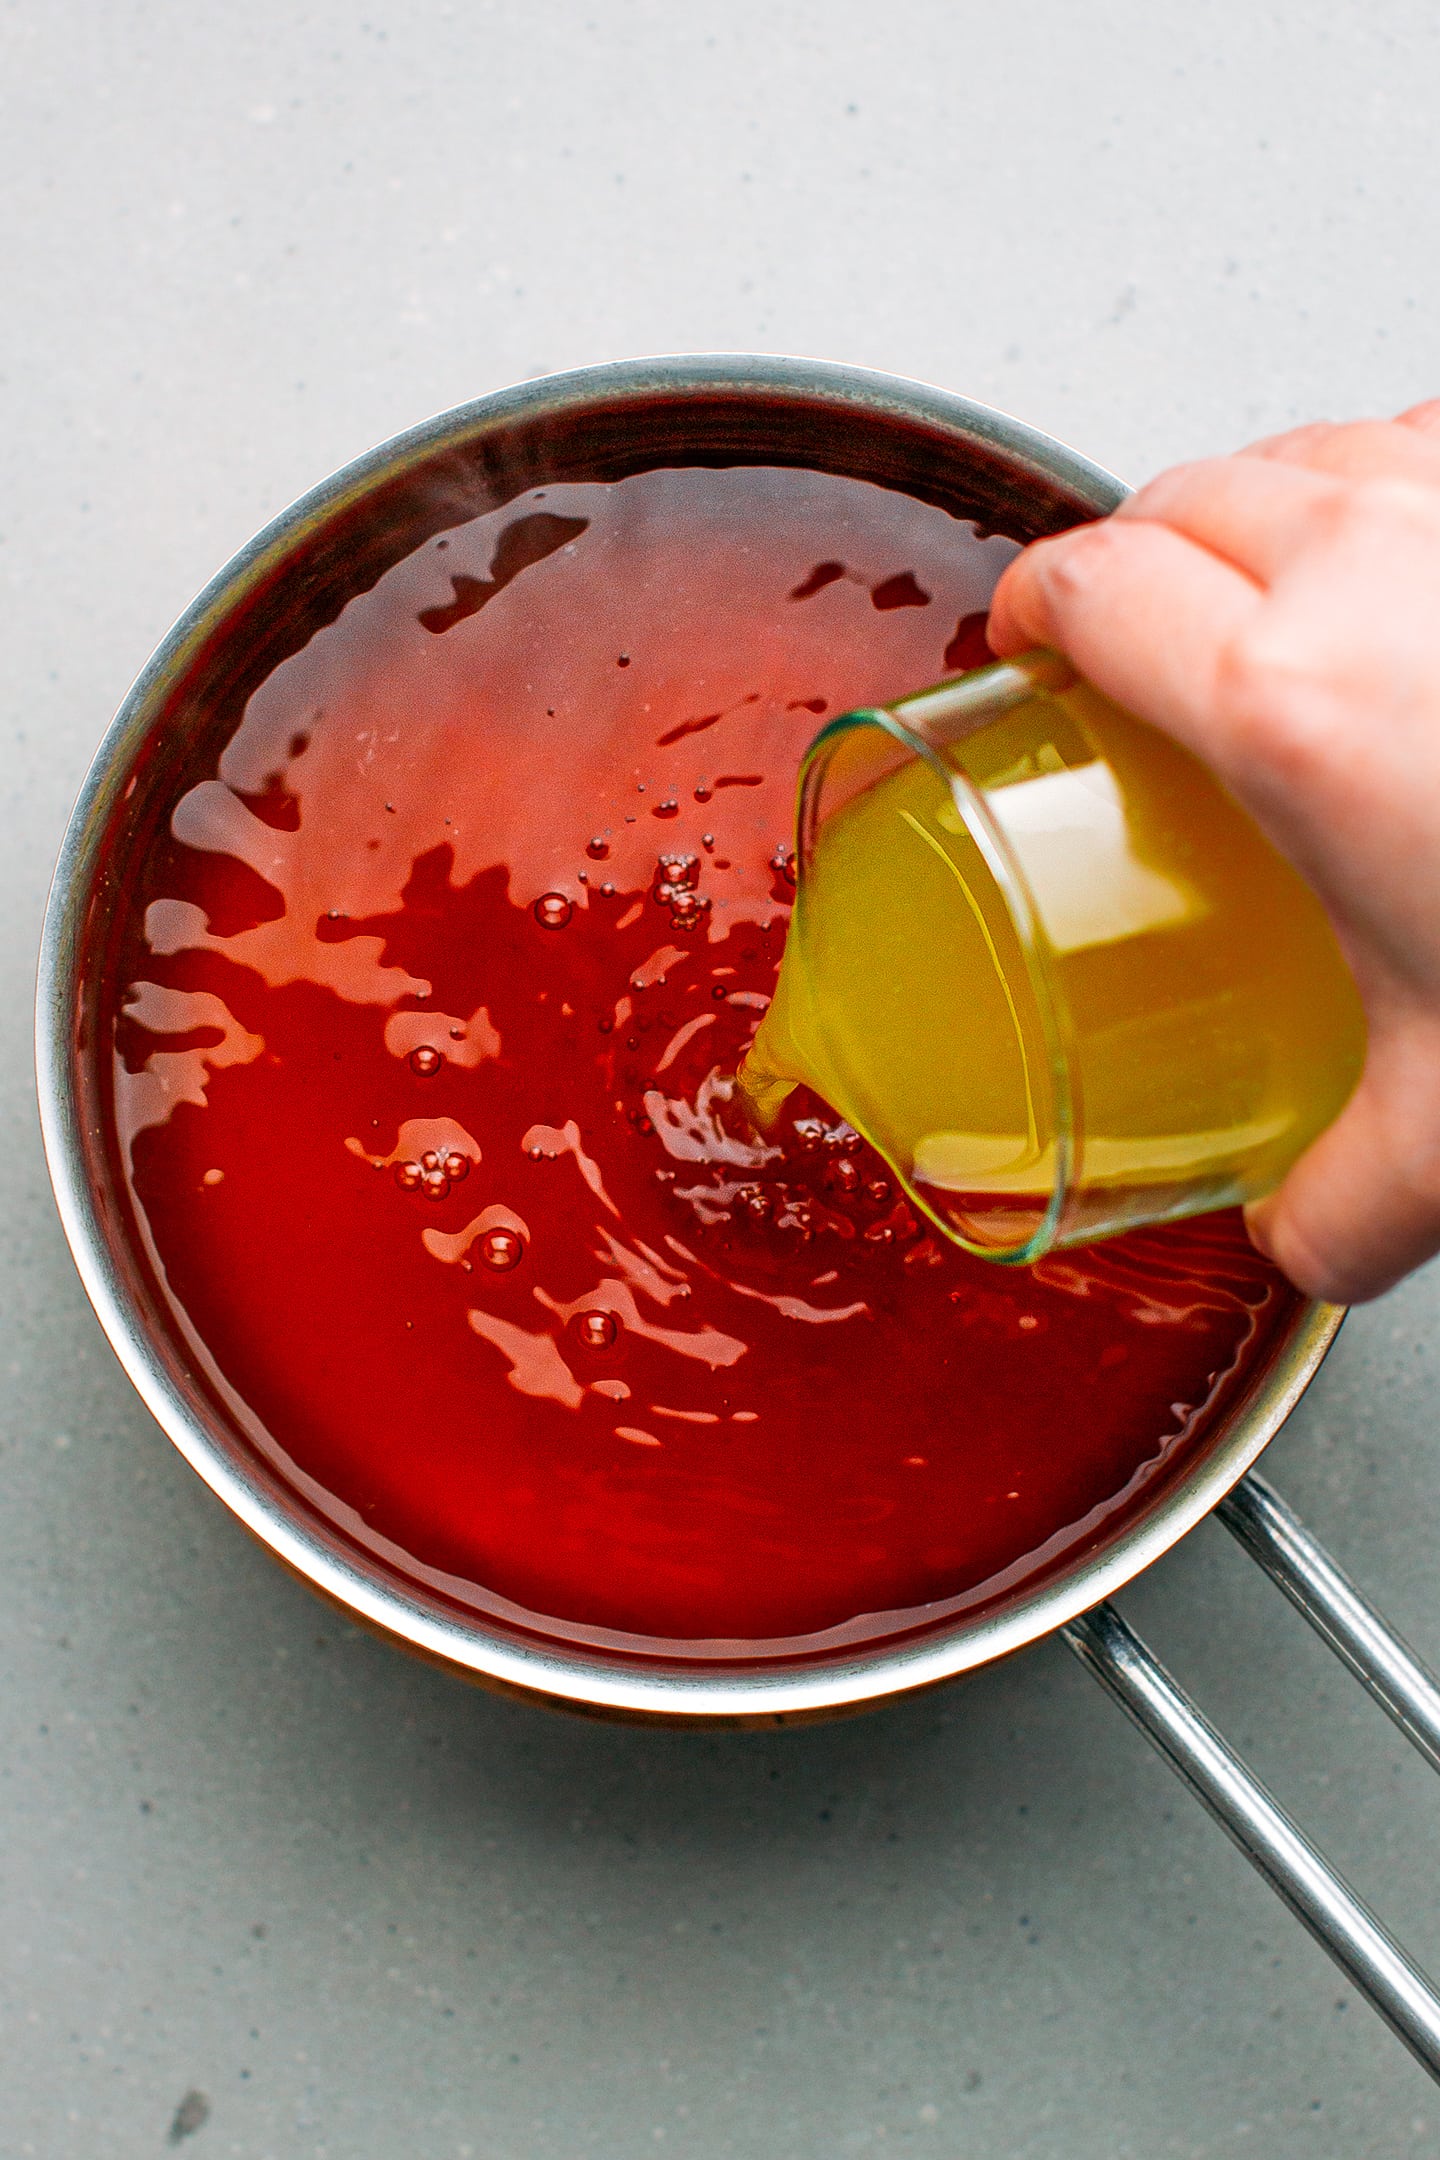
point(413, 1030)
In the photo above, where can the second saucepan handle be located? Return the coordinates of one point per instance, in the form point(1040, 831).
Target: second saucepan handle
point(1274, 1536)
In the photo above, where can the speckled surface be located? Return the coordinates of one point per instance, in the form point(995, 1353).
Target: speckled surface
point(270, 1890)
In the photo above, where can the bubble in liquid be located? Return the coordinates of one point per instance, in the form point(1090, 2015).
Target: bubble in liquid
point(456, 1166)
point(682, 871)
point(877, 1191)
point(434, 1183)
point(553, 911)
point(430, 1160)
point(668, 808)
point(843, 1176)
point(598, 848)
point(702, 791)
point(407, 1175)
point(782, 862)
point(596, 1329)
point(502, 1250)
point(425, 1061)
point(607, 892)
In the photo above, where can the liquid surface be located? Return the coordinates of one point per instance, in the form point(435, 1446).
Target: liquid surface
point(424, 1020)
point(1206, 1023)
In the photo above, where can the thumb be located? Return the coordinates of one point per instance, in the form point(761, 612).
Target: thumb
point(1361, 1207)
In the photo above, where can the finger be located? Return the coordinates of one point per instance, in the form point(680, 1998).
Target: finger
point(1143, 613)
point(1402, 449)
point(1258, 514)
point(1362, 1205)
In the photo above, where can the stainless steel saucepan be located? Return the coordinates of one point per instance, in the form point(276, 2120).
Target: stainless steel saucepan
point(601, 423)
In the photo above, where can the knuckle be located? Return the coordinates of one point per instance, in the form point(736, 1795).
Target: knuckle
point(1358, 448)
point(1295, 446)
point(1072, 564)
point(1391, 506)
point(1176, 485)
point(1378, 506)
point(1371, 499)
point(1423, 418)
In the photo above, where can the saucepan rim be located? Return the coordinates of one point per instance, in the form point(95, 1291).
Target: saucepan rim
point(566, 1675)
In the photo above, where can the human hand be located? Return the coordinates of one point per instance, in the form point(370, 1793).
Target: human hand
point(1278, 612)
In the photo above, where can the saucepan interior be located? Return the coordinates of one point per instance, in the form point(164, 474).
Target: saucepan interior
point(599, 424)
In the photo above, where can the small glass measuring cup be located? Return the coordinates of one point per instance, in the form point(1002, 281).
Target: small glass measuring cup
point(1049, 968)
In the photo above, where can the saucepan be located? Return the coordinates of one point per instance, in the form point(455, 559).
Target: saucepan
point(599, 424)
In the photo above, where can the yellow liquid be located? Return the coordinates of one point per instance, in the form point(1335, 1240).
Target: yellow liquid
point(1169, 1033)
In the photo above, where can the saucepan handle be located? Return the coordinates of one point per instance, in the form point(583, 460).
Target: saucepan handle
point(1298, 1564)
point(1319, 1897)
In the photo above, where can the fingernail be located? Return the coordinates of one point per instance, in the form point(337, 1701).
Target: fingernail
point(1255, 1212)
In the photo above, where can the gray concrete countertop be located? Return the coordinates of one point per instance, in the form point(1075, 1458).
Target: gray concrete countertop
point(270, 1890)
